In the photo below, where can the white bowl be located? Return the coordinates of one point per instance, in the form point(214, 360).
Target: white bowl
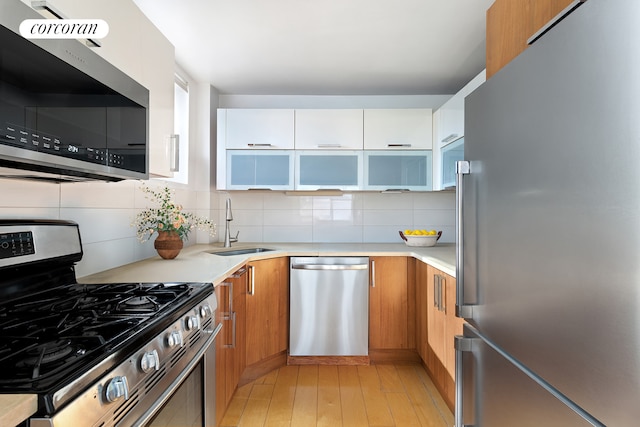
point(421, 240)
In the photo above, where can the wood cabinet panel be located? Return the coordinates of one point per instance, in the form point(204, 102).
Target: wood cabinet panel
point(230, 344)
point(511, 23)
point(543, 11)
point(453, 325)
point(221, 355)
point(391, 311)
point(435, 315)
point(422, 312)
point(508, 27)
point(267, 308)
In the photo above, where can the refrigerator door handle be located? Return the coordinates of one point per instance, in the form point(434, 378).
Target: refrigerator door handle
point(462, 345)
point(465, 311)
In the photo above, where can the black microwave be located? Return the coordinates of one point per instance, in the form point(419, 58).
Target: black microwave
point(65, 112)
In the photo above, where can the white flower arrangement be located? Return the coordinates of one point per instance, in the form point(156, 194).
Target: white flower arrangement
point(169, 216)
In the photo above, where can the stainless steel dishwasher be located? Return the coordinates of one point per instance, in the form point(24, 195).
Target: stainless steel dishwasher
point(329, 306)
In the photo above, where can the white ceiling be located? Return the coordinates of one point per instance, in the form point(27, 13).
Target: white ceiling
point(326, 47)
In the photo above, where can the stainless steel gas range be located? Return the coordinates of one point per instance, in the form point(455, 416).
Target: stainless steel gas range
point(100, 354)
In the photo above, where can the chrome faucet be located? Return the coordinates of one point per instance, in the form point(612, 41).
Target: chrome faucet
point(227, 232)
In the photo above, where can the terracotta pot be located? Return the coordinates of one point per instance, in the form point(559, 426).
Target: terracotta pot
point(168, 244)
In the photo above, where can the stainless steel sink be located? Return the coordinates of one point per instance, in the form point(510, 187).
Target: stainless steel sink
point(244, 251)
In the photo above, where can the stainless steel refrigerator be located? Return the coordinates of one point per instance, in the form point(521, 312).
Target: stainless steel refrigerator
point(549, 230)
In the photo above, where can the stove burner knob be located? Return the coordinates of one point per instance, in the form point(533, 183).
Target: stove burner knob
point(205, 311)
point(174, 338)
point(150, 361)
point(191, 322)
point(116, 388)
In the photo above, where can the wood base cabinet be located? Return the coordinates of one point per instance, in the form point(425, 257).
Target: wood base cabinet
point(391, 310)
point(437, 325)
point(267, 309)
point(230, 344)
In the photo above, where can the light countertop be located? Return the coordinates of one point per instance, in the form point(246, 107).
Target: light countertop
point(197, 264)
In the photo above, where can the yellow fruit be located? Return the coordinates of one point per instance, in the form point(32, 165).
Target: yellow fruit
point(407, 232)
point(433, 232)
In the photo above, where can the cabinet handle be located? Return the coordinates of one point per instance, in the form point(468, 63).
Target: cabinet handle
point(252, 283)
point(239, 273)
point(174, 153)
point(233, 332)
point(259, 145)
point(329, 145)
point(373, 274)
point(462, 345)
point(226, 314)
point(443, 294)
point(399, 145)
point(435, 291)
point(450, 137)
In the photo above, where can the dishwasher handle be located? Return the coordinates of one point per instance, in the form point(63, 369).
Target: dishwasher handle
point(330, 266)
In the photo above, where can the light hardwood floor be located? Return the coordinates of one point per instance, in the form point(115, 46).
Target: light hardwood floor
point(348, 396)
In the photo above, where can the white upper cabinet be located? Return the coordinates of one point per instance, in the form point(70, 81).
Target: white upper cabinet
point(328, 129)
point(451, 116)
point(139, 49)
point(251, 129)
point(449, 135)
point(398, 129)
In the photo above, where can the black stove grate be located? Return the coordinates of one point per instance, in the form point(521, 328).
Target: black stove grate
point(48, 335)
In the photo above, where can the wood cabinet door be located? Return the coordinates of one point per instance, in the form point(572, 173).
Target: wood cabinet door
point(267, 307)
point(389, 311)
point(422, 306)
point(435, 314)
point(235, 362)
point(453, 325)
point(221, 353)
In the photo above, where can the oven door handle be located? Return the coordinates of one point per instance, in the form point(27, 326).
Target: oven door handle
point(213, 333)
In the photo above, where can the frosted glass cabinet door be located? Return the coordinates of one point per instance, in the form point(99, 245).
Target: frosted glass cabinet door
point(328, 170)
point(259, 169)
point(451, 153)
point(398, 170)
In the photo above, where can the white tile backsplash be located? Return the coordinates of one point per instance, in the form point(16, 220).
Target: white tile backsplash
point(351, 217)
point(104, 212)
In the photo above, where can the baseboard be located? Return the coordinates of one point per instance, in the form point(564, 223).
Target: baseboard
point(263, 367)
point(328, 360)
point(387, 356)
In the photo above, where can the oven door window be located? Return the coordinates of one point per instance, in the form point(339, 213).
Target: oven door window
point(185, 407)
